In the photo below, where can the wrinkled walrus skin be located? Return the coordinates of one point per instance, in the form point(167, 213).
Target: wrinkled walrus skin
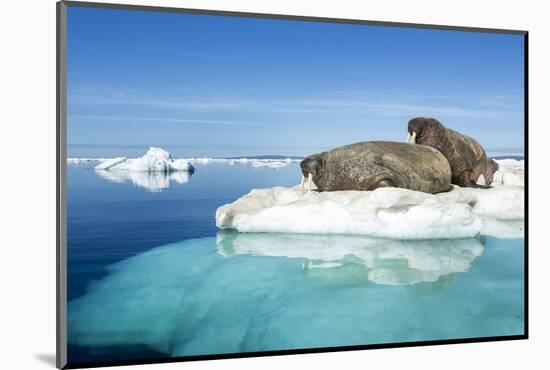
point(466, 156)
point(370, 165)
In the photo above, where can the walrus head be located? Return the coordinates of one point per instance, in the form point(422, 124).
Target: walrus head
point(419, 127)
point(312, 167)
point(492, 167)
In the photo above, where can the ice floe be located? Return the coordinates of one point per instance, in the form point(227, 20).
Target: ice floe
point(155, 160)
point(77, 160)
point(504, 229)
point(142, 163)
point(511, 172)
point(271, 164)
point(256, 162)
point(110, 163)
point(385, 212)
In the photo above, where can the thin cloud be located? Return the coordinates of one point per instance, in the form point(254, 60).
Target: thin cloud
point(174, 120)
point(384, 104)
point(191, 104)
point(388, 108)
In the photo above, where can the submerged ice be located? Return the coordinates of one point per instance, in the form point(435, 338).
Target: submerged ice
point(385, 261)
point(250, 292)
point(386, 212)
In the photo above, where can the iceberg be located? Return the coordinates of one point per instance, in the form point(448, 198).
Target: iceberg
point(270, 164)
point(386, 212)
point(254, 162)
point(155, 160)
point(77, 160)
point(156, 153)
point(385, 261)
point(110, 163)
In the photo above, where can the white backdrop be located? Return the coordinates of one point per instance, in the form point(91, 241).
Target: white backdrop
point(27, 186)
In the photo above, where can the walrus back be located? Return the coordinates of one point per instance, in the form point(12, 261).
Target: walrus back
point(362, 165)
point(469, 154)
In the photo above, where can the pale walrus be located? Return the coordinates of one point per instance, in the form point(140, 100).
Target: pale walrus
point(375, 164)
point(465, 155)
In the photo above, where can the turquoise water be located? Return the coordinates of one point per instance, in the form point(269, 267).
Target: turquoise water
point(150, 276)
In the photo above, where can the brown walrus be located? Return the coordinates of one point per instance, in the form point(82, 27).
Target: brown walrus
point(370, 165)
point(466, 156)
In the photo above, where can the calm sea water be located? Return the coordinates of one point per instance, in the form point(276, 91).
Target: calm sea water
point(150, 275)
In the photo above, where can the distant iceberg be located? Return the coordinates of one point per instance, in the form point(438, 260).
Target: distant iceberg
point(255, 162)
point(386, 212)
point(77, 160)
point(110, 163)
point(270, 164)
point(155, 160)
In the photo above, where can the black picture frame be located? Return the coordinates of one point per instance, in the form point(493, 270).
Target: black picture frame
point(61, 200)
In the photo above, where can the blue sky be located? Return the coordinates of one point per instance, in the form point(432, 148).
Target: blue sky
point(226, 86)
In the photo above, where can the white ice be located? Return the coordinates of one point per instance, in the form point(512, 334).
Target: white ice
point(511, 172)
point(76, 160)
point(386, 212)
point(255, 162)
point(270, 164)
point(157, 153)
point(155, 160)
point(110, 163)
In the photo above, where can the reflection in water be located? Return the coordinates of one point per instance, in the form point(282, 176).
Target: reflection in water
point(383, 261)
point(245, 293)
point(151, 180)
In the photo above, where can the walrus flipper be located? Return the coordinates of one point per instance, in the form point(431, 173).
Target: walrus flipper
point(477, 186)
point(467, 180)
point(449, 189)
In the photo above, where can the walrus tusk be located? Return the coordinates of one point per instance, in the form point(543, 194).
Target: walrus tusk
point(309, 181)
point(413, 138)
point(408, 138)
point(302, 183)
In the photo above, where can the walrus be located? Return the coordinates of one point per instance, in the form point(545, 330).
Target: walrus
point(466, 156)
point(371, 165)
